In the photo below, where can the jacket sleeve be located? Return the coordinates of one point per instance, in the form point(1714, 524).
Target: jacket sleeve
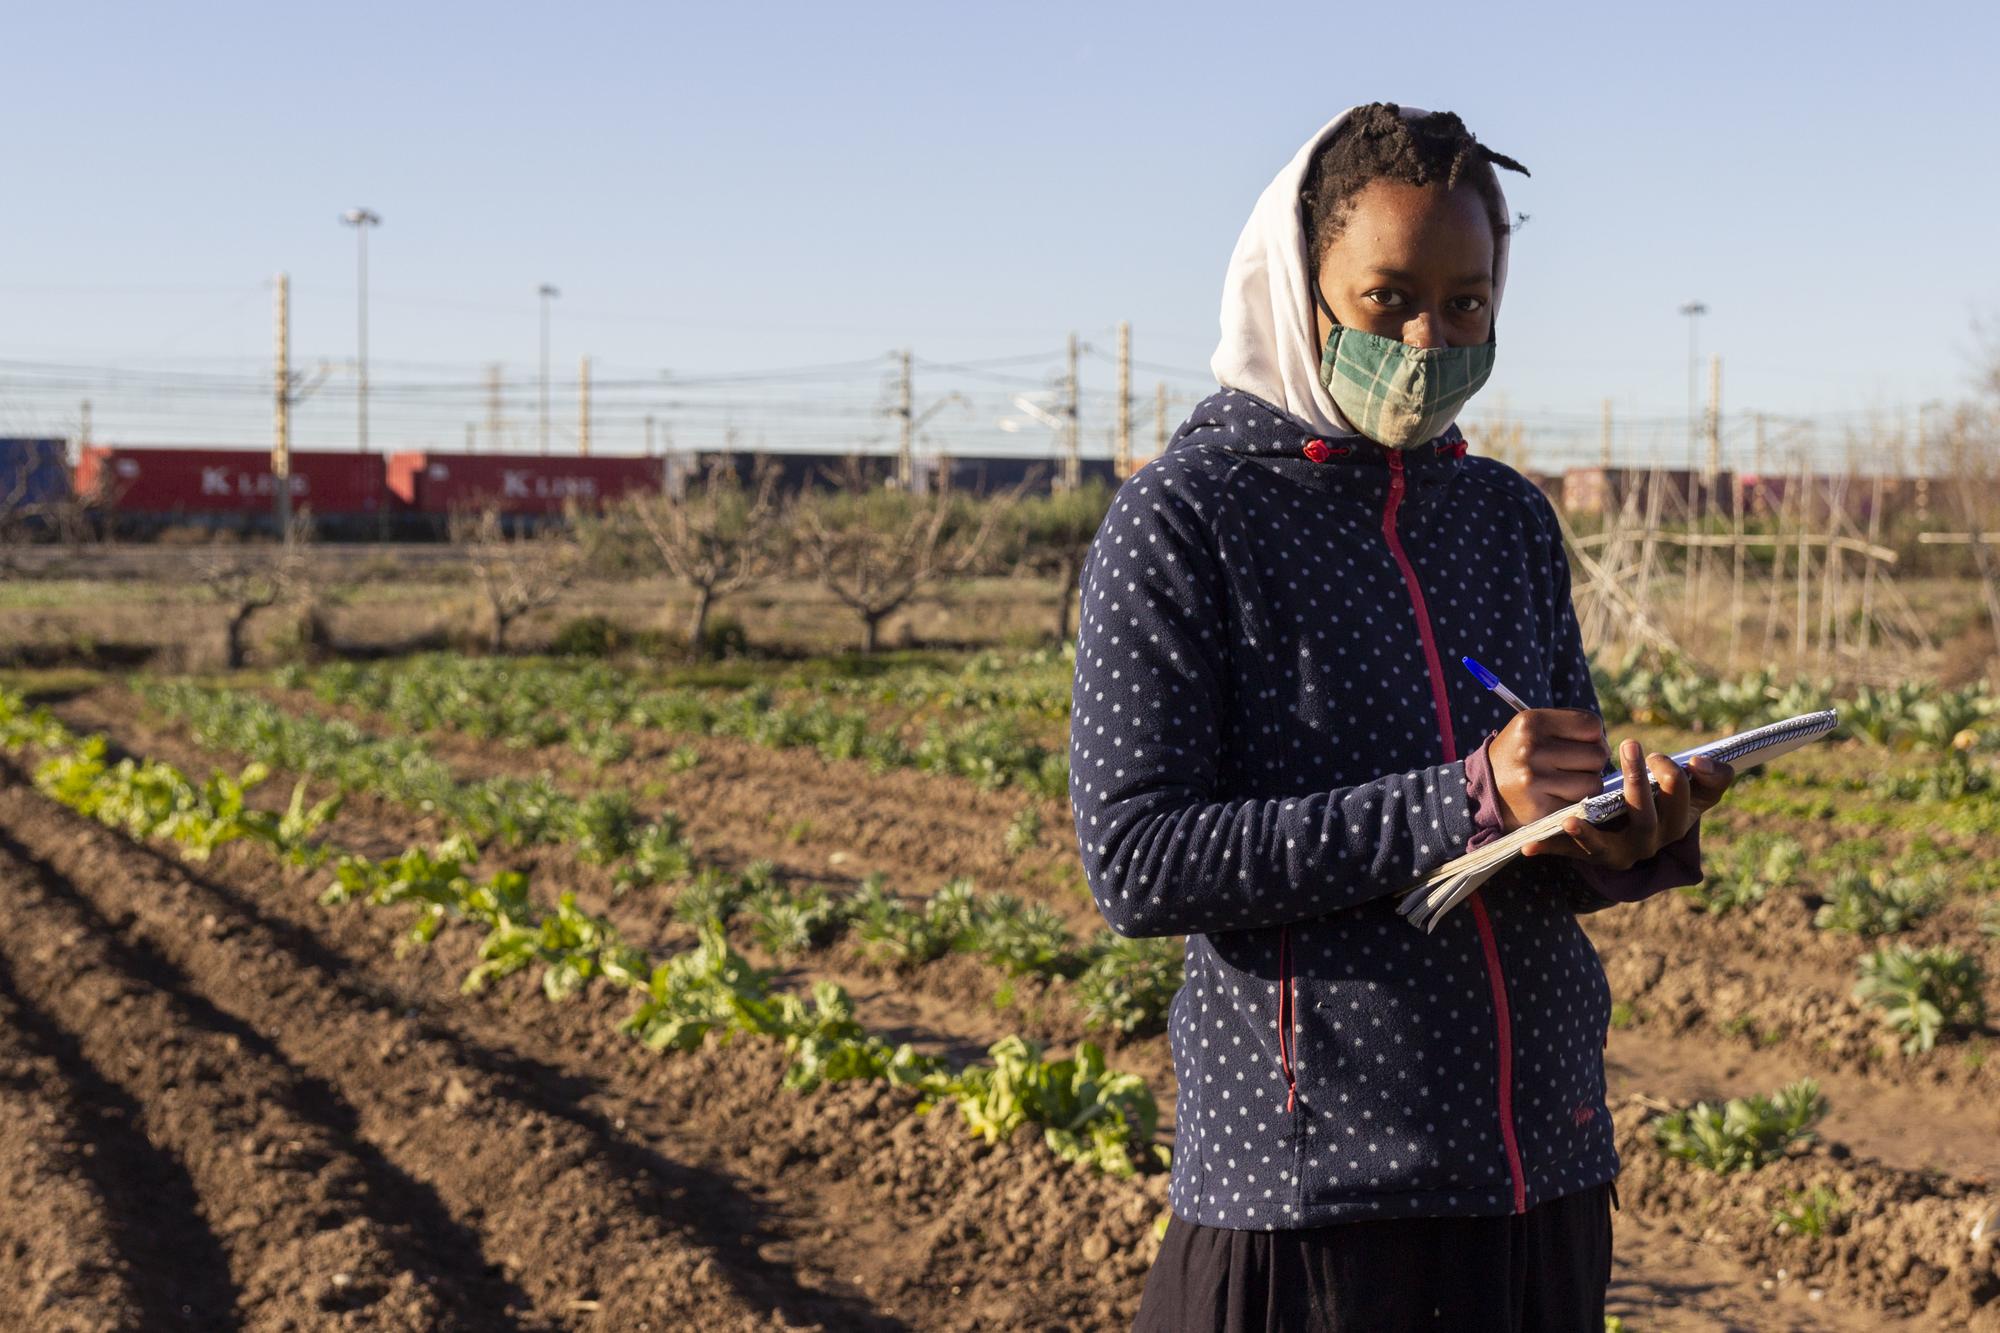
point(1587, 888)
point(1164, 852)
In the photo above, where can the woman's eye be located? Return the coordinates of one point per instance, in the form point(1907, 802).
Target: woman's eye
point(1385, 298)
point(1468, 305)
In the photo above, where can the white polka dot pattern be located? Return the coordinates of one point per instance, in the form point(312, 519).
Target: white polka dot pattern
point(1254, 746)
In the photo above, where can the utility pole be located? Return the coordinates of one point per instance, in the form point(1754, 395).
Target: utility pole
point(649, 435)
point(495, 426)
point(547, 293)
point(583, 408)
point(281, 451)
point(911, 420)
point(84, 432)
point(1160, 419)
point(1124, 465)
point(1714, 420)
point(906, 463)
point(361, 220)
point(1072, 474)
point(1604, 451)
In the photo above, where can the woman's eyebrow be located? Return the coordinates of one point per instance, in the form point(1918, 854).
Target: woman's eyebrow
point(1403, 275)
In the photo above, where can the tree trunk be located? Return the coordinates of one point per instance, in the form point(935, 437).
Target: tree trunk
point(698, 625)
point(498, 643)
point(1070, 593)
point(871, 623)
point(233, 642)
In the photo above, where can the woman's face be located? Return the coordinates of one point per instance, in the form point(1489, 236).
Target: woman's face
point(1413, 263)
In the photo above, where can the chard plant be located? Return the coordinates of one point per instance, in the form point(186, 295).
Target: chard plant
point(1743, 1133)
point(1922, 992)
point(1869, 903)
point(1130, 983)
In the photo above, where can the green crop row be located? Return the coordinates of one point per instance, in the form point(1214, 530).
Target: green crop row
point(603, 827)
point(530, 703)
point(1635, 690)
point(1122, 984)
point(1088, 1113)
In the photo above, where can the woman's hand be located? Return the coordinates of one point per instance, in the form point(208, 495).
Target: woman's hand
point(1647, 823)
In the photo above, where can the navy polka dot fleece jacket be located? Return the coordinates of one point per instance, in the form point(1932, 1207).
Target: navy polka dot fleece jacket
point(1266, 750)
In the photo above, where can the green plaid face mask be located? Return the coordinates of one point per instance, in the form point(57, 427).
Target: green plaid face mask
point(1398, 395)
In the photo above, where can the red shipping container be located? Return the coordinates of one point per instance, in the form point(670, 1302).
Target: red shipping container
point(228, 481)
point(436, 483)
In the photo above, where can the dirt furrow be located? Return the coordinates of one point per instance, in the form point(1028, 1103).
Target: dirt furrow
point(541, 1208)
point(285, 1213)
point(70, 1258)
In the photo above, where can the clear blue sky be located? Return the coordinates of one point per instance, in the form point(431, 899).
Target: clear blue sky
point(736, 188)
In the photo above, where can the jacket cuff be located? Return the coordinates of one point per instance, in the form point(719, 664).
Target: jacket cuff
point(1482, 797)
point(1674, 866)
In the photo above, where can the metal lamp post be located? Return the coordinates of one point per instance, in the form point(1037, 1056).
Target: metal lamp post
point(1694, 310)
point(548, 292)
point(361, 220)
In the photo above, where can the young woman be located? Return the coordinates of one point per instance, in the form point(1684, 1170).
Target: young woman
point(1271, 740)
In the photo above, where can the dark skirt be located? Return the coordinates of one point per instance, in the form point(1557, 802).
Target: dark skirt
point(1545, 1269)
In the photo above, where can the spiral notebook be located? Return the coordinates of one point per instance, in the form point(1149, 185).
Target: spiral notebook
point(1454, 881)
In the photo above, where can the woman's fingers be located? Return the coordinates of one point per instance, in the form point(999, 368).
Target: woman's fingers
point(1710, 778)
point(1638, 791)
point(1673, 805)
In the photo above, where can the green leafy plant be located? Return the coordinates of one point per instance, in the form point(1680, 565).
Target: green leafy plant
point(1088, 1113)
point(1023, 830)
point(573, 947)
point(892, 931)
point(1921, 992)
point(1750, 868)
point(827, 1045)
point(1874, 903)
point(1021, 938)
point(660, 855)
point(1745, 1132)
point(709, 988)
point(1804, 1214)
point(1130, 983)
point(790, 924)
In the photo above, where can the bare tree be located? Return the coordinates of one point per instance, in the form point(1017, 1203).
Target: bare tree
point(719, 538)
point(1972, 460)
point(245, 580)
point(16, 525)
point(876, 549)
point(517, 574)
point(1052, 535)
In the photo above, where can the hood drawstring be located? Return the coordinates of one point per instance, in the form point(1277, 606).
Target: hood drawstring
point(1286, 1017)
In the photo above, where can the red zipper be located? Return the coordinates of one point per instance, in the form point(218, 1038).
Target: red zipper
point(1441, 701)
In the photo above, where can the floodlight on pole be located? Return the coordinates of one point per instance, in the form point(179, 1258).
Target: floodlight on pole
point(1694, 310)
point(548, 292)
point(361, 220)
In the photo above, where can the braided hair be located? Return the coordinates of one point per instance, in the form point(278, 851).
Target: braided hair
point(1377, 143)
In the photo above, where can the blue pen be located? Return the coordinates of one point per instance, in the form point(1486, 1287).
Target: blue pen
point(1492, 682)
point(1614, 778)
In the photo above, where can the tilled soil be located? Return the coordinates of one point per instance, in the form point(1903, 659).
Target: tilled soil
point(224, 1105)
point(503, 1163)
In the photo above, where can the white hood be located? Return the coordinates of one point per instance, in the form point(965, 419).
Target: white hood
point(1268, 345)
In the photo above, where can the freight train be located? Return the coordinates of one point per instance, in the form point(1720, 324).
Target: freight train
point(142, 491)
